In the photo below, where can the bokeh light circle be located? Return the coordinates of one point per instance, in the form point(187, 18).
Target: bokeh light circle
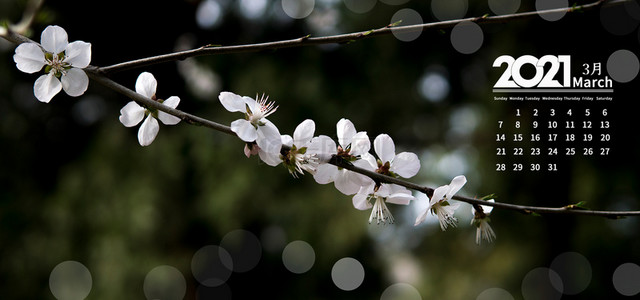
point(211, 265)
point(164, 282)
point(400, 291)
point(298, 257)
point(208, 14)
point(626, 279)
point(504, 7)
point(623, 66)
point(495, 294)
point(575, 271)
point(221, 292)
point(360, 6)
point(394, 2)
point(244, 248)
point(618, 19)
point(434, 86)
point(542, 284)
point(467, 37)
point(551, 4)
point(406, 17)
point(253, 9)
point(70, 280)
point(347, 274)
point(633, 9)
point(449, 9)
point(298, 9)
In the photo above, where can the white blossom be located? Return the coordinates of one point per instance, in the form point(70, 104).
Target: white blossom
point(132, 113)
point(481, 221)
point(352, 145)
point(404, 164)
point(63, 62)
point(376, 197)
point(440, 206)
point(302, 153)
point(255, 127)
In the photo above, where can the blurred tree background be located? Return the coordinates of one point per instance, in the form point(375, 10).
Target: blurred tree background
point(76, 185)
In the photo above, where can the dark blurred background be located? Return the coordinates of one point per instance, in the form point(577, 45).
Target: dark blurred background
point(75, 185)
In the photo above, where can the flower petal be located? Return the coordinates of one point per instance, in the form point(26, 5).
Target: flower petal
point(455, 185)
point(345, 130)
point(146, 85)
point(46, 87)
point(54, 39)
point(486, 209)
point(360, 199)
point(422, 217)
point(245, 130)
point(406, 164)
point(166, 118)
point(172, 101)
point(400, 198)
point(360, 143)
point(366, 161)
point(268, 137)
point(346, 183)
point(287, 140)
point(304, 133)
point(78, 54)
point(272, 159)
point(232, 102)
point(247, 151)
point(131, 114)
point(75, 82)
point(29, 58)
point(438, 194)
point(252, 104)
point(148, 131)
point(324, 147)
point(325, 173)
point(384, 147)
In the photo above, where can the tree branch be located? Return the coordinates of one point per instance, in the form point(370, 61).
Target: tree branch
point(28, 17)
point(337, 39)
point(95, 74)
point(99, 75)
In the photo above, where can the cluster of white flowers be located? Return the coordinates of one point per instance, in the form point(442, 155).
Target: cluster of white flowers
point(300, 153)
point(305, 152)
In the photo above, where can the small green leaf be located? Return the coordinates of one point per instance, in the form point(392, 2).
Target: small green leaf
point(488, 197)
point(579, 205)
point(532, 213)
point(394, 24)
point(367, 32)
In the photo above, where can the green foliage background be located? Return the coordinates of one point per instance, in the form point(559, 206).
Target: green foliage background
point(75, 184)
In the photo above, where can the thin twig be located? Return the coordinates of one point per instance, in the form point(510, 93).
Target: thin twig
point(335, 39)
point(99, 75)
point(28, 16)
point(96, 75)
